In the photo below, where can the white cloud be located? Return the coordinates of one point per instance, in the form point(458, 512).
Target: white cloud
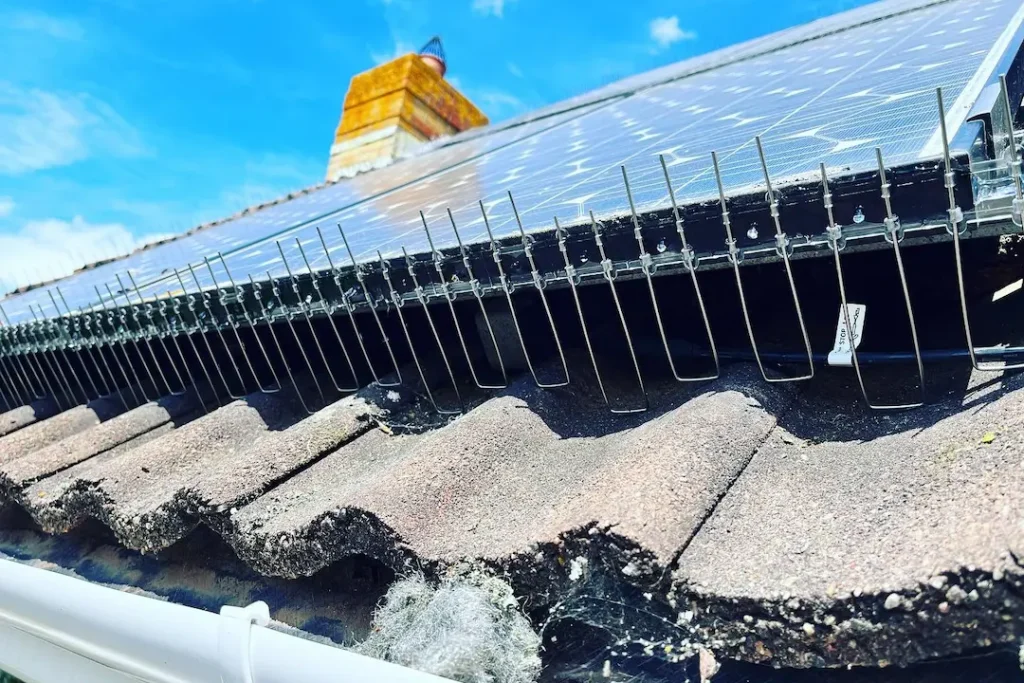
point(256, 180)
point(266, 178)
point(50, 26)
point(40, 130)
point(665, 31)
point(51, 248)
point(6, 206)
point(497, 104)
point(514, 69)
point(490, 7)
point(498, 98)
point(401, 48)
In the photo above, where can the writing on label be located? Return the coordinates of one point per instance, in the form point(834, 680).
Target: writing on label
point(842, 350)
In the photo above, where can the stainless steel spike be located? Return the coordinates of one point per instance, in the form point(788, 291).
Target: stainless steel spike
point(954, 219)
point(89, 348)
point(21, 365)
point(399, 304)
point(540, 284)
point(648, 267)
point(734, 258)
point(239, 298)
point(39, 348)
point(11, 388)
point(99, 342)
point(57, 352)
point(690, 263)
point(837, 242)
point(205, 298)
point(345, 302)
point(450, 298)
point(155, 332)
point(10, 385)
point(16, 353)
point(312, 330)
point(200, 330)
point(571, 275)
point(9, 371)
point(71, 349)
point(107, 340)
point(36, 367)
point(18, 365)
point(422, 297)
point(116, 335)
point(222, 295)
point(50, 342)
point(32, 361)
point(142, 332)
point(328, 311)
point(43, 351)
point(172, 331)
point(474, 284)
point(9, 397)
point(783, 248)
point(288, 316)
point(508, 287)
point(63, 327)
point(361, 278)
point(257, 294)
point(894, 235)
point(126, 332)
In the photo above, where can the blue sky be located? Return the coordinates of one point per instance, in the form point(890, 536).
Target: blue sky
point(126, 120)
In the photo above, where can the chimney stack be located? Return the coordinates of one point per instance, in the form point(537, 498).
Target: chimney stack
point(394, 107)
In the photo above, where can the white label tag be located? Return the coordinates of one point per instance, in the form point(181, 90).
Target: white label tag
point(842, 353)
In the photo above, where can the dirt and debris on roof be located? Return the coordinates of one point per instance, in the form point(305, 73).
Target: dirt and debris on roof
point(741, 517)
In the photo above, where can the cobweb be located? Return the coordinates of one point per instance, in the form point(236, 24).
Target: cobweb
point(605, 630)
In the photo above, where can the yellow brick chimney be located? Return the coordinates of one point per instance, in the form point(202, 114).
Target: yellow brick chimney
point(396, 106)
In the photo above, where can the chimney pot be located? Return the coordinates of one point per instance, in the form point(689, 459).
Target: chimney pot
point(433, 55)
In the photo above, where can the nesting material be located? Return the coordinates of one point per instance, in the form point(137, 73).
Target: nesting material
point(468, 629)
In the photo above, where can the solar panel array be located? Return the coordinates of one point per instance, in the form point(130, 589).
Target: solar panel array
point(157, 264)
point(832, 98)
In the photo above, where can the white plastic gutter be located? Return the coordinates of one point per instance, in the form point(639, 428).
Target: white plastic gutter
point(55, 628)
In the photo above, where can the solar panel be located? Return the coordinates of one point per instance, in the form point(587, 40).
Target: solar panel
point(155, 263)
point(871, 12)
point(833, 96)
point(830, 99)
point(416, 173)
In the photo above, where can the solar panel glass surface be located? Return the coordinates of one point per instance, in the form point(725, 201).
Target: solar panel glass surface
point(831, 97)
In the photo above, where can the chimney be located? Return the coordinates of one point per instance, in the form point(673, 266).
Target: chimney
point(392, 108)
